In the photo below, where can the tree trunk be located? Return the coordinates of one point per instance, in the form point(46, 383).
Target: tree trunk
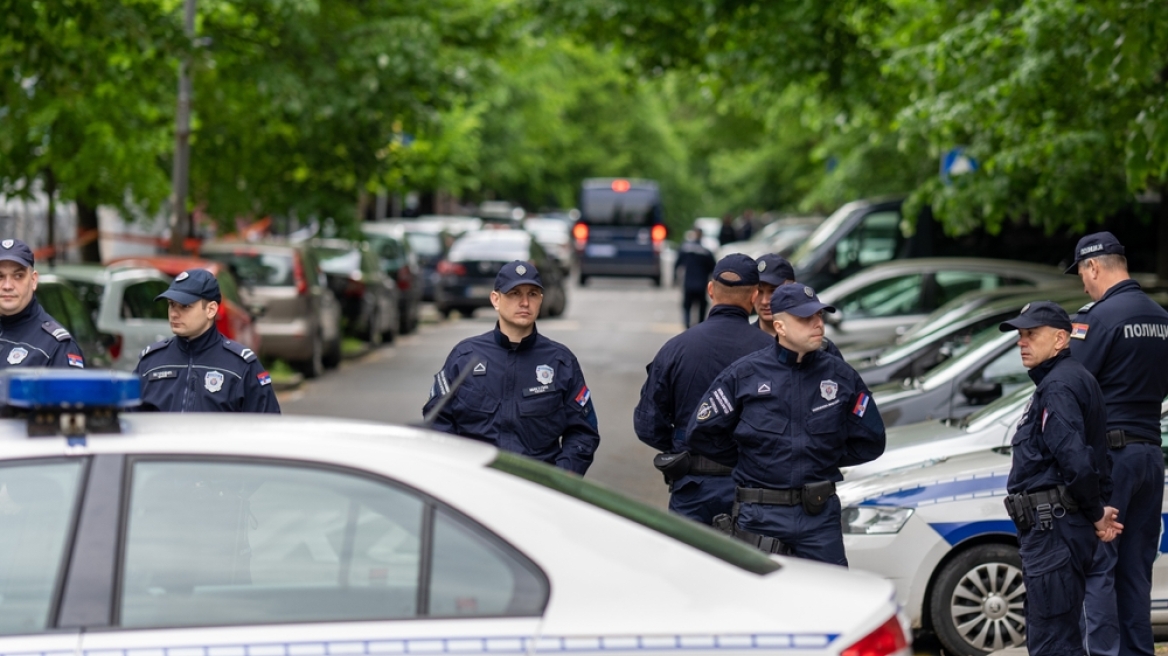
point(51, 192)
point(87, 224)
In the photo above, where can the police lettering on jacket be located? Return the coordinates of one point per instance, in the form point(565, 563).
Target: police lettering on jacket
point(32, 338)
point(1123, 341)
point(793, 422)
point(528, 398)
point(209, 373)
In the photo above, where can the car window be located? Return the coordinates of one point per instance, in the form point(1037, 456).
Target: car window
point(1008, 370)
point(261, 269)
point(75, 315)
point(218, 543)
point(90, 293)
point(138, 301)
point(951, 284)
point(884, 298)
point(37, 509)
point(425, 243)
point(228, 286)
point(872, 242)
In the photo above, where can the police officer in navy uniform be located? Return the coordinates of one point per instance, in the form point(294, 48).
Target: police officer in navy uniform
point(791, 415)
point(200, 370)
point(29, 337)
point(774, 271)
point(698, 263)
point(525, 393)
point(681, 371)
point(1121, 337)
point(1059, 480)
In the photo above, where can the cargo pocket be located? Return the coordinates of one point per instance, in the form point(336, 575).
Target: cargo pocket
point(543, 419)
point(476, 416)
point(1047, 572)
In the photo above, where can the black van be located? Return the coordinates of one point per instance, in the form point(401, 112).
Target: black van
point(621, 229)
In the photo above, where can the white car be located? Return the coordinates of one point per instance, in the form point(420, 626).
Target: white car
point(261, 535)
point(938, 529)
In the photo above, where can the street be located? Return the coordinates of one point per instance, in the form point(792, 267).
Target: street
point(614, 326)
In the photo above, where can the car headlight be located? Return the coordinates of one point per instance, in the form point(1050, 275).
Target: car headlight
point(874, 520)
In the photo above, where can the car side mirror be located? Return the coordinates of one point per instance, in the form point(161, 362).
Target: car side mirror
point(980, 392)
point(833, 319)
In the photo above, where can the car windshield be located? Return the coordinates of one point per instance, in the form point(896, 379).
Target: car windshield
point(424, 243)
point(998, 409)
point(494, 249)
point(821, 234)
point(261, 269)
point(986, 336)
point(691, 533)
point(342, 261)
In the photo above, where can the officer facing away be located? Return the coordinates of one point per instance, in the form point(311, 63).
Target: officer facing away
point(1059, 480)
point(1122, 339)
point(774, 271)
point(793, 416)
point(29, 337)
point(525, 393)
point(678, 377)
point(698, 263)
point(200, 370)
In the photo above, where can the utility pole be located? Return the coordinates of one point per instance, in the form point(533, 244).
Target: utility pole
point(180, 224)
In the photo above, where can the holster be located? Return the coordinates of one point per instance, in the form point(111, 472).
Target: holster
point(672, 465)
point(728, 524)
point(816, 495)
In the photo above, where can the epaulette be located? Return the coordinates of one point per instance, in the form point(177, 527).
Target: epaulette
point(56, 330)
point(161, 344)
point(1086, 308)
point(242, 351)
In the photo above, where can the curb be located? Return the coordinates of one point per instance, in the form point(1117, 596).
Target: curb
point(289, 383)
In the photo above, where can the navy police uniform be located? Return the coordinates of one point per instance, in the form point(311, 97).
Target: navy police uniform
point(677, 380)
point(528, 397)
point(208, 373)
point(1058, 483)
point(32, 338)
point(698, 263)
point(1122, 339)
point(790, 425)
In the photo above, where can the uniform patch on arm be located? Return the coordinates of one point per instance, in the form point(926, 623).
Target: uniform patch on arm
point(264, 377)
point(1079, 330)
point(1045, 415)
point(861, 404)
point(583, 396)
point(75, 360)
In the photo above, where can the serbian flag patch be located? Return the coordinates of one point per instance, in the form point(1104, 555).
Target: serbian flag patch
point(861, 404)
point(75, 360)
point(1079, 330)
point(1045, 414)
point(264, 377)
point(583, 396)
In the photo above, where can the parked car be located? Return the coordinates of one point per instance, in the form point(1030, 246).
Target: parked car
point(885, 300)
point(780, 236)
point(428, 241)
point(468, 272)
point(390, 242)
point(301, 318)
point(369, 298)
point(235, 320)
point(555, 235)
point(63, 303)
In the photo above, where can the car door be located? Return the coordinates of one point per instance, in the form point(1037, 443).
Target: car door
point(128, 309)
point(263, 557)
point(880, 310)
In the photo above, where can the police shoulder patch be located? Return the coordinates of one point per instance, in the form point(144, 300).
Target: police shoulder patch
point(156, 346)
point(1086, 308)
point(56, 330)
point(242, 351)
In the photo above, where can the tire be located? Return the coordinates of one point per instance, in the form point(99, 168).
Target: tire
point(332, 356)
point(445, 311)
point(374, 335)
point(313, 367)
point(976, 605)
point(656, 280)
point(408, 318)
point(582, 279)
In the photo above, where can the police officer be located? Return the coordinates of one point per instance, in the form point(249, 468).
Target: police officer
point(793, 415)
point(524, 393)
point(681, 371)
point(1058, 481)
point(774, 271)
point(698, 263)
point(1121, 337)
point(29, 337)
point(200, 370)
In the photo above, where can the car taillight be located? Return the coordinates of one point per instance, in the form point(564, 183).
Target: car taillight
point(888, 639)
point(659, 233)
point(448, 268)
point(580, 233)
point(115, 349)
point(298, 275)
point(355, 285)
point(405, 278)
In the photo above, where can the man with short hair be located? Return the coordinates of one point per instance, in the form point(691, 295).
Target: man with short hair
point(679, 374)
point(524, 393)
point(200, 370)
point(787, 418)
point(697, 263)
point(1059, 480)
point(774, 271)
point(29, 337)
point(1121, 338)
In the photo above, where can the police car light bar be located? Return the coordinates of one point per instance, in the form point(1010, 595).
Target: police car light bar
point(69, 403)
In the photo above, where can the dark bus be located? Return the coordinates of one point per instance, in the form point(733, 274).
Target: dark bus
point(621, 229)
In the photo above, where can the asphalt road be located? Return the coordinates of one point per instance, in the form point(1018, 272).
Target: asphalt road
point(614, 326)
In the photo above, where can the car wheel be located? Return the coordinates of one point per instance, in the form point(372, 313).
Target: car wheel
point(977, 602)
point(332, 356)
point(656, 281)
point(313, 367)
point(375, 336)
point(582, 279)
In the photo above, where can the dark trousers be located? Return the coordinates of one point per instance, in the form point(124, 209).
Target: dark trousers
point(688, 300)
point(814, 537)
point(1054, 566)
point(1119, 583)
point(701, 498)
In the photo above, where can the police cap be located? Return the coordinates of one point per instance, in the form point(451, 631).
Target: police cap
point(797, 299)
point(15, 250)
point(1039, 313)
point(192, 285)
point(773, 269)
point(742, 265)
point(516, 273)
point(1094, 245)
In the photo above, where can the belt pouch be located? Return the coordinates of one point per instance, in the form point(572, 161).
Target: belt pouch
point(672, 465)
point(815, 496)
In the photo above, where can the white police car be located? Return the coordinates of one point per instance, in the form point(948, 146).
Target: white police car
point(234, 535)
point(937, 528)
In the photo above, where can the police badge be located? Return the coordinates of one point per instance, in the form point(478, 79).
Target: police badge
point(213, 381)
point(545, 374)
point(828, 389)
point(7, 243)
point(17, 355)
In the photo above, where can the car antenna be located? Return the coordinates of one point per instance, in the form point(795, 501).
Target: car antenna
point(428, 420)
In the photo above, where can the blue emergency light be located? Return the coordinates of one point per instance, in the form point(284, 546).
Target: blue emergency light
point(65, 389)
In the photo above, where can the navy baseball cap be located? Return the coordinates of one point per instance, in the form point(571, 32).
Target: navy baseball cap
point(1094, 245)
point(742, 265)
point(774, 270)
point(193, 285)
point(1039, 313)
point(517, 273)
point(15, 250)
point(797, 299)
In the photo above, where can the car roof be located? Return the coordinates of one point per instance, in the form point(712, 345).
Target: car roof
point(267, 246)
point(168, 264)
point(98, 274)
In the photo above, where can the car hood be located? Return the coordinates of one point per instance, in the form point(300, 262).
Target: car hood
point(921, 482)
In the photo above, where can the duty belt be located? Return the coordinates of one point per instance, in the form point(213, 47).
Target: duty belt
point(1117, 439)
point(703, 465)
point(1039, 509)
point(792, 497)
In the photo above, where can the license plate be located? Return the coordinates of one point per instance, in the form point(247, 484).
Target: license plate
point(600, 250)
point(478, 291)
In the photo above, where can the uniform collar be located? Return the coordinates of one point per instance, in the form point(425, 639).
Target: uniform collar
point(1119, 288)
point(28, 312)
point(1044, 369)
point(505, 341)
point(729, 311)
point(200, 343)
point(791, 358)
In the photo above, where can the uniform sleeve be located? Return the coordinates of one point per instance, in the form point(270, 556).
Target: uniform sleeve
point(440, 388)
point(653, 418)
point(258, 394)
point(1092, 347)
point(581, 436)
point(711, 429)
point(67, 355)
point(865, 429)
point(1063, 432)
